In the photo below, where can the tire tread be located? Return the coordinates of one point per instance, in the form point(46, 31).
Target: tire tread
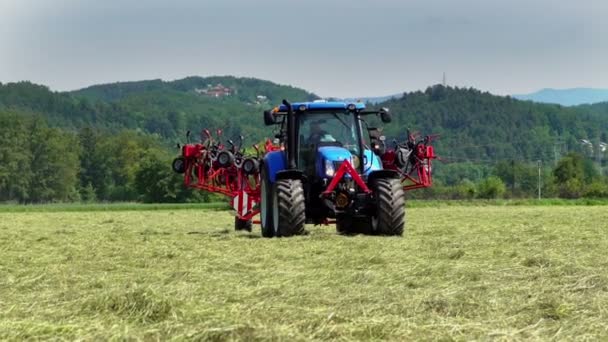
point(292, 207)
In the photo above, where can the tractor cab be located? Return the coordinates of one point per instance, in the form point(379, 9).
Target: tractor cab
point(325, 135)
point(324, 141)
point(327, 154)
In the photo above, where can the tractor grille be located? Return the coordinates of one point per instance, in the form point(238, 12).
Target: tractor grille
point(337, 165)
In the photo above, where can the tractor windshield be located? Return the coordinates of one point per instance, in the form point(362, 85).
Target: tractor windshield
point(328, 129)
point(324, 129)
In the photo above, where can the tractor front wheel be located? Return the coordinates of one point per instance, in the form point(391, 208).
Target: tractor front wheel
point(390, 207)
point(288, 208)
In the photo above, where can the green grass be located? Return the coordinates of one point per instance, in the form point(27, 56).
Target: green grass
point(510, 202)
point(115, 206)
point(461, 272)
point(132, 206)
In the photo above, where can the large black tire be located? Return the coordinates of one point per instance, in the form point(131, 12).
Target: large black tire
point(242, 224)
point(289, 208)
point(266, 192)
point(390, 207)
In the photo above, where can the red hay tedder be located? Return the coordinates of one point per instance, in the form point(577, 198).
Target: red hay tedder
point(322, 168)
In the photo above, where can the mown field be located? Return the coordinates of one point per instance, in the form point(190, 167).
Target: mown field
point(461, 272)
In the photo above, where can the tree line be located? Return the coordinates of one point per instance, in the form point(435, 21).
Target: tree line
point(573, 176)
point(40, 164)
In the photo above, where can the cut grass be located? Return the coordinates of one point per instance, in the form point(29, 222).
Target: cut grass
point(132, 206)
point(118, 206)
point(509, 202)
point(461, 272)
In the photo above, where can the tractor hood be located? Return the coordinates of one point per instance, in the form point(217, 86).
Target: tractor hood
point(333, 153)
point(328, 156)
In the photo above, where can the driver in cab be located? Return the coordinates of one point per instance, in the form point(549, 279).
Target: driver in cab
point(318, 134)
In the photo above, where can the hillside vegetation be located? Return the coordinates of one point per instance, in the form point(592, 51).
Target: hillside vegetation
point(476, 125)
point(166, 109)
point(479, 133)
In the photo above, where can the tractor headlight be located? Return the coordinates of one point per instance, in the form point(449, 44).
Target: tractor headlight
point(330, 170)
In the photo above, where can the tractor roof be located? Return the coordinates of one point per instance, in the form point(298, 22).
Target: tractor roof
point(320, 106)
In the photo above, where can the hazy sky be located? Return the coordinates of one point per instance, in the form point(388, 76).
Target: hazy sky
point(330, 47)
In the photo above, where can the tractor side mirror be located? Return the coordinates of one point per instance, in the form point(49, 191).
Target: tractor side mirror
point(374, 132)
point(377, 140)
point(385, 115)
point(269, 118)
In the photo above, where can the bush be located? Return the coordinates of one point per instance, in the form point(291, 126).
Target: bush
point(572, 188)
point(491, 187)
point(465, 190)
point(596, 189)
point(87, 194)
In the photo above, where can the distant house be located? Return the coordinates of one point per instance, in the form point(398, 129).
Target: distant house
point(261, 99)
point(217, 90)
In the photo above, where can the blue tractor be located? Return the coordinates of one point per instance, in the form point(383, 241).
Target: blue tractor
point(327, 170)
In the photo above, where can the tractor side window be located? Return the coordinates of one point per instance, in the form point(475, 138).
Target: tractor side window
point(307, 147)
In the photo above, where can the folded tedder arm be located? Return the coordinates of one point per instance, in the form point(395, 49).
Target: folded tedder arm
point(413, 160)
point(210, 166)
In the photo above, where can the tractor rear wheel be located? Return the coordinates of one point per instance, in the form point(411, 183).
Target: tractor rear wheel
point(242, 224)
point(288, 207)
point(390, 207)
point(266, 204)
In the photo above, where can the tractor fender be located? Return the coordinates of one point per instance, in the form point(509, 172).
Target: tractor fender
point(372, 163)
point(382, 174)
point(274, 162)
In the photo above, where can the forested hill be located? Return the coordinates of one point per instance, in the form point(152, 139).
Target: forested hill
point(567, 97)
point(473, 125)
point(165, 108)
point(114, 142)
point(476, 125)
point(245, 90)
